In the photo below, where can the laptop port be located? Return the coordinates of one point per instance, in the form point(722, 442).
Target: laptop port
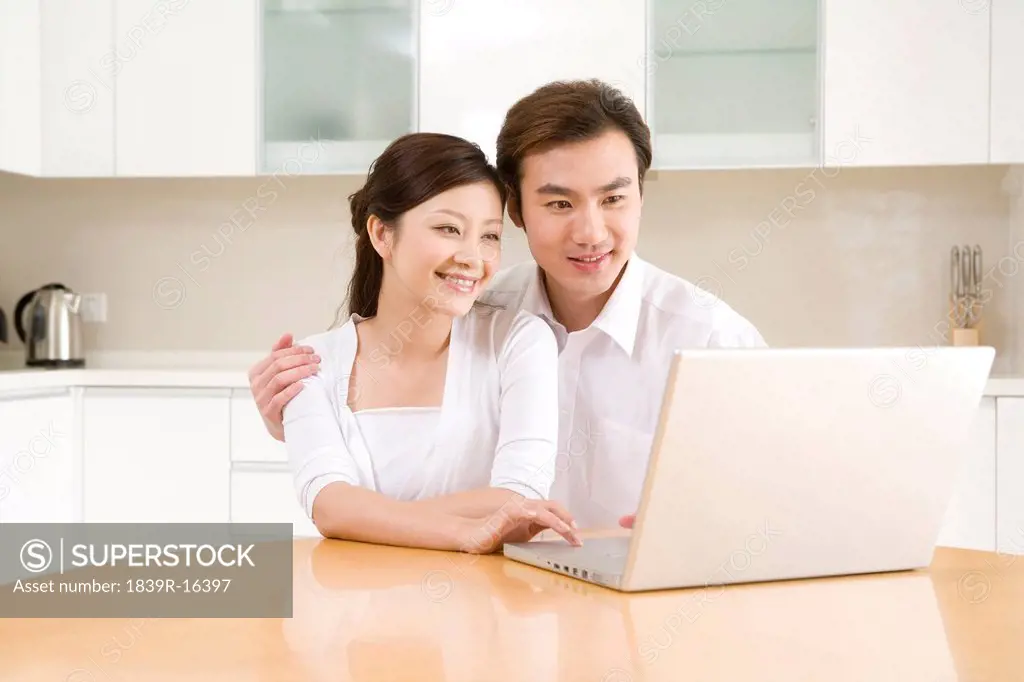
point(557, 567)
point(585, 573)
point(574, 572)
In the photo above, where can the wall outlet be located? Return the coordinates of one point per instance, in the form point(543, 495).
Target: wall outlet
point(94, 307)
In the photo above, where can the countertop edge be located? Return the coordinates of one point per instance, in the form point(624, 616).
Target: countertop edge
point(123, 378)
point(171, 369)
point(1004, 386)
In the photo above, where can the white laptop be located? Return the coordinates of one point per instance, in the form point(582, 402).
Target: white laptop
point(774, 464)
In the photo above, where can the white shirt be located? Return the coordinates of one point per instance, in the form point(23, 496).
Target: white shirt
point(612, 376)
point(497, 424)
point(394, 437)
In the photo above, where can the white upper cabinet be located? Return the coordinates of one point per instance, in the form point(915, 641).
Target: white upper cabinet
point(20, 85)
point(478, 57)
point(56, 103)
point(183, 88)
point(1007, 81)
point(906, 82)
point(185, 93)
point(733, 83)
point(338, 82)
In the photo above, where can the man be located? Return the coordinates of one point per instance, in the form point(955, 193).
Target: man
point(574, 156)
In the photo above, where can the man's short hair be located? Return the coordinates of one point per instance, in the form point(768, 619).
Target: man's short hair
point(564, 112)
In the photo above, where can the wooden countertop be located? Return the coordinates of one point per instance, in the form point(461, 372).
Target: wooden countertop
point(365, 612)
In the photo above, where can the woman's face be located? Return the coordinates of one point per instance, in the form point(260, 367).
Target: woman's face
point(447, 249)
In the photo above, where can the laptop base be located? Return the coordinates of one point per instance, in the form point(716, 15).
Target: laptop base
point(601, 561)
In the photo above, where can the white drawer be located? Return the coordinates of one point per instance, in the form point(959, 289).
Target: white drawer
point(268, 497)
point(250, 441)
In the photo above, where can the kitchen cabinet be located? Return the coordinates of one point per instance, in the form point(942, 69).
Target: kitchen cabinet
point(261, 482)
point(1010, 494)
point(268, 496)
point(733, 83)
point(338, 82)
point(156, 455)
point(971, 516)
point(39, 467)
point(186, 77)
point(906, 82)
point(250, 441)
point(1007, 81)
point(177, 88)
point(56, 96)
point(477, 58)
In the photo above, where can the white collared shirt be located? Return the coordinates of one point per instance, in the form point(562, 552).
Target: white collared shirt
point(497, 424)
point(611, 377)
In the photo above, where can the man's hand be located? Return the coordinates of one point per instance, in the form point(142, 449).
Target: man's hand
point(517, 521)
point(627, 521)
point(277, 378)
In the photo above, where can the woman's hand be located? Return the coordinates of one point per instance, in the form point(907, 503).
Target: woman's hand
point(277, 378)
point(517, 521)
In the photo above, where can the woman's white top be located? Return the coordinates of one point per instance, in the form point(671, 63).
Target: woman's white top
point(394, 436)
point(497, 424)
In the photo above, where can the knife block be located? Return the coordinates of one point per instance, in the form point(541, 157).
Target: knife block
point(964, 336)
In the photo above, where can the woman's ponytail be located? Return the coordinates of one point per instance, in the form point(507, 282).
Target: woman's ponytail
point(368, 275)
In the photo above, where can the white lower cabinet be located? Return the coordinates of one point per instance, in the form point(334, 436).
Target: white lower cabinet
point(1010, 464)
point(268, 497)
point(250, 440)
point(156, 455)
point(38, 464)
point(971, 517)
point(142, 455)
point(261, 484)
point(987, 509)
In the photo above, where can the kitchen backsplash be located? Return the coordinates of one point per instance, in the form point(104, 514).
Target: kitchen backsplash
point(814, 258)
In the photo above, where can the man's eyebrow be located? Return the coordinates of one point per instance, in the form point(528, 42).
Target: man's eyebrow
point(617, 183)
point(549, 188)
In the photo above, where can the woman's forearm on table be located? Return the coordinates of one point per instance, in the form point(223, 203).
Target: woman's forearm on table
point(472, 503)
point(348, 512)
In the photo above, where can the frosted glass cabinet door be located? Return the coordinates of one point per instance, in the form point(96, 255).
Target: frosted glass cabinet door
point(338, 82)
point(733, 83)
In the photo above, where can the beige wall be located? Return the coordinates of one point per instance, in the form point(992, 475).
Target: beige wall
point(864, 259)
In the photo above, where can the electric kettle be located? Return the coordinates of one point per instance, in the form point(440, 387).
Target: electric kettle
point(49, 323)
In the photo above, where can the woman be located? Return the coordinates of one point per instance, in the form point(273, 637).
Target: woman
point(433, 420)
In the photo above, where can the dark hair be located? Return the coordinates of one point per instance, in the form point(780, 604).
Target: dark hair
point(567, 111)
point(413, 169)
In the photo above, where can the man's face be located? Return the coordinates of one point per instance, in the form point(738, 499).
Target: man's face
point(580, 209)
